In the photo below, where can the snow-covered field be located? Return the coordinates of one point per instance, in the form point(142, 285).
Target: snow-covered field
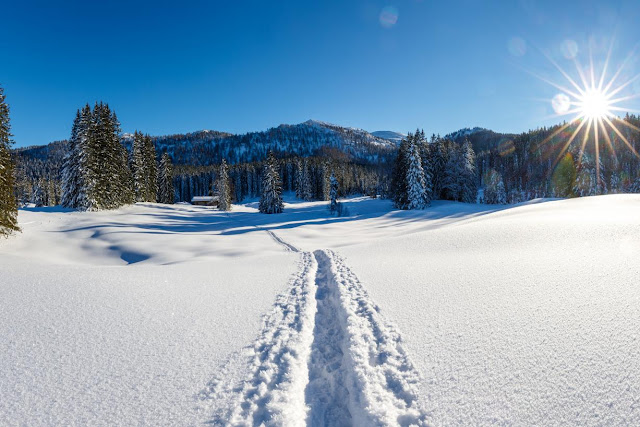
point(456, 315)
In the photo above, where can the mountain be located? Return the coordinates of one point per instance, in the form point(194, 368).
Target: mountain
point(312, 137)
point(481, 139)
point(389, 135)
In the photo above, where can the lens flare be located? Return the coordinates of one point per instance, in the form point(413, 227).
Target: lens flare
point(593, 99)
point(517, 46)
point(561, 103)
point(388, 16)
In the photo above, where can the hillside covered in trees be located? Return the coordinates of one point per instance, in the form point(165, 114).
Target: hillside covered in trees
point(507, 168)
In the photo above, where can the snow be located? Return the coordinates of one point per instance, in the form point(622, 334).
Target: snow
point(460, 314)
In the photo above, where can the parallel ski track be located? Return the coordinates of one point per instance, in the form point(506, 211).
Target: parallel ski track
point(325, 357)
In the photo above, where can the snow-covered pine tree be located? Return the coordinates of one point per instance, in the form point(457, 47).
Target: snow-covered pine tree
point(494, 190)
point(165, 180)
point(222, 184)
point(453, 179)
point(143, 168)
point(586, 183)
point(307, 191)
point(151, 169)
point(416, 187)
point(39, 196)
point(425, 156)
point(399, 188)
point(271, 198)
point(138, 164)
point(71, 185)
point(299, 179)
point(8, 204)
point(469, 187)
point(326, 181)
point(333, 194)
point(437, 163)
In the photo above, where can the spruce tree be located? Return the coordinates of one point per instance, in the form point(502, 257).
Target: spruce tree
point(151, 169)
point(299, 179)
point(8, 204)
point(224, 191)
point(416, 187)
point(333, 194)
point(469, 187)
point(138, 162)
point(399, 188)
point(165, 180)
point(271, 198)
point(307, 192)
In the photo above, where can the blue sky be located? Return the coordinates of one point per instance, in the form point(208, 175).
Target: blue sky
point(238, 66)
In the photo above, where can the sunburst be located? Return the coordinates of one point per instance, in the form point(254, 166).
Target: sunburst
point(592, 102)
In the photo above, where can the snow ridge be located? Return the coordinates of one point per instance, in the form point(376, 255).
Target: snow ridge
point(368, 359)
point(273, 391)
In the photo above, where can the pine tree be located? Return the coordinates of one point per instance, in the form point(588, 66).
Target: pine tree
point(138, 167)
point(326, 181)
point(165, 180)
point(224, 192)
point(95, 172)
point(143, 168)
point(437, 163)
point(307, 193)
point(8, 204)
point(333, 194)
point(299, 179)
point(494, 191)
point(416, 187)
point(271, 198)
point(151, 169)
point(469, 187)
point(399, 188)
point(453, 179)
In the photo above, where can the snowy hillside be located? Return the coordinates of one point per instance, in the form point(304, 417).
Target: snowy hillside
point(456, 315)
point(206, 147)
point(389, 135)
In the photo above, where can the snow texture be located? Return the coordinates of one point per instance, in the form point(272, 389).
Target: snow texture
point(522, 314)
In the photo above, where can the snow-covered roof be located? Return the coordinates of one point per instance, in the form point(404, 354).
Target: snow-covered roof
point(204, 198)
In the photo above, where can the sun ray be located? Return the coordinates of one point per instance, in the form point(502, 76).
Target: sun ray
point(597, 144)
point(584, 141)
point(561, 129)
point(566, 145)
point(624, 85)
point(606, 65)
point(624, 63)
point(563, 72)
point(626, 123)
point(608, 140)
point(626, 141)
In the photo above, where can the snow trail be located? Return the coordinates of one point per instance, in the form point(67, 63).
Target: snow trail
point(359, 373)
point(272, 392)
point(327, 393)
point(278, 239)
point(325, 357)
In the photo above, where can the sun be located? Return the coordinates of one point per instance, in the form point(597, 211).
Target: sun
point(594, 101)
point(594, 104)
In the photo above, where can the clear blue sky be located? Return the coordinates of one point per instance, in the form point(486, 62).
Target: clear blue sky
point(238, 66)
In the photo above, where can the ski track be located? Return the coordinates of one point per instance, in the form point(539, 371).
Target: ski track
point(279, 240)
point(325, 356)
point(272, 392)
